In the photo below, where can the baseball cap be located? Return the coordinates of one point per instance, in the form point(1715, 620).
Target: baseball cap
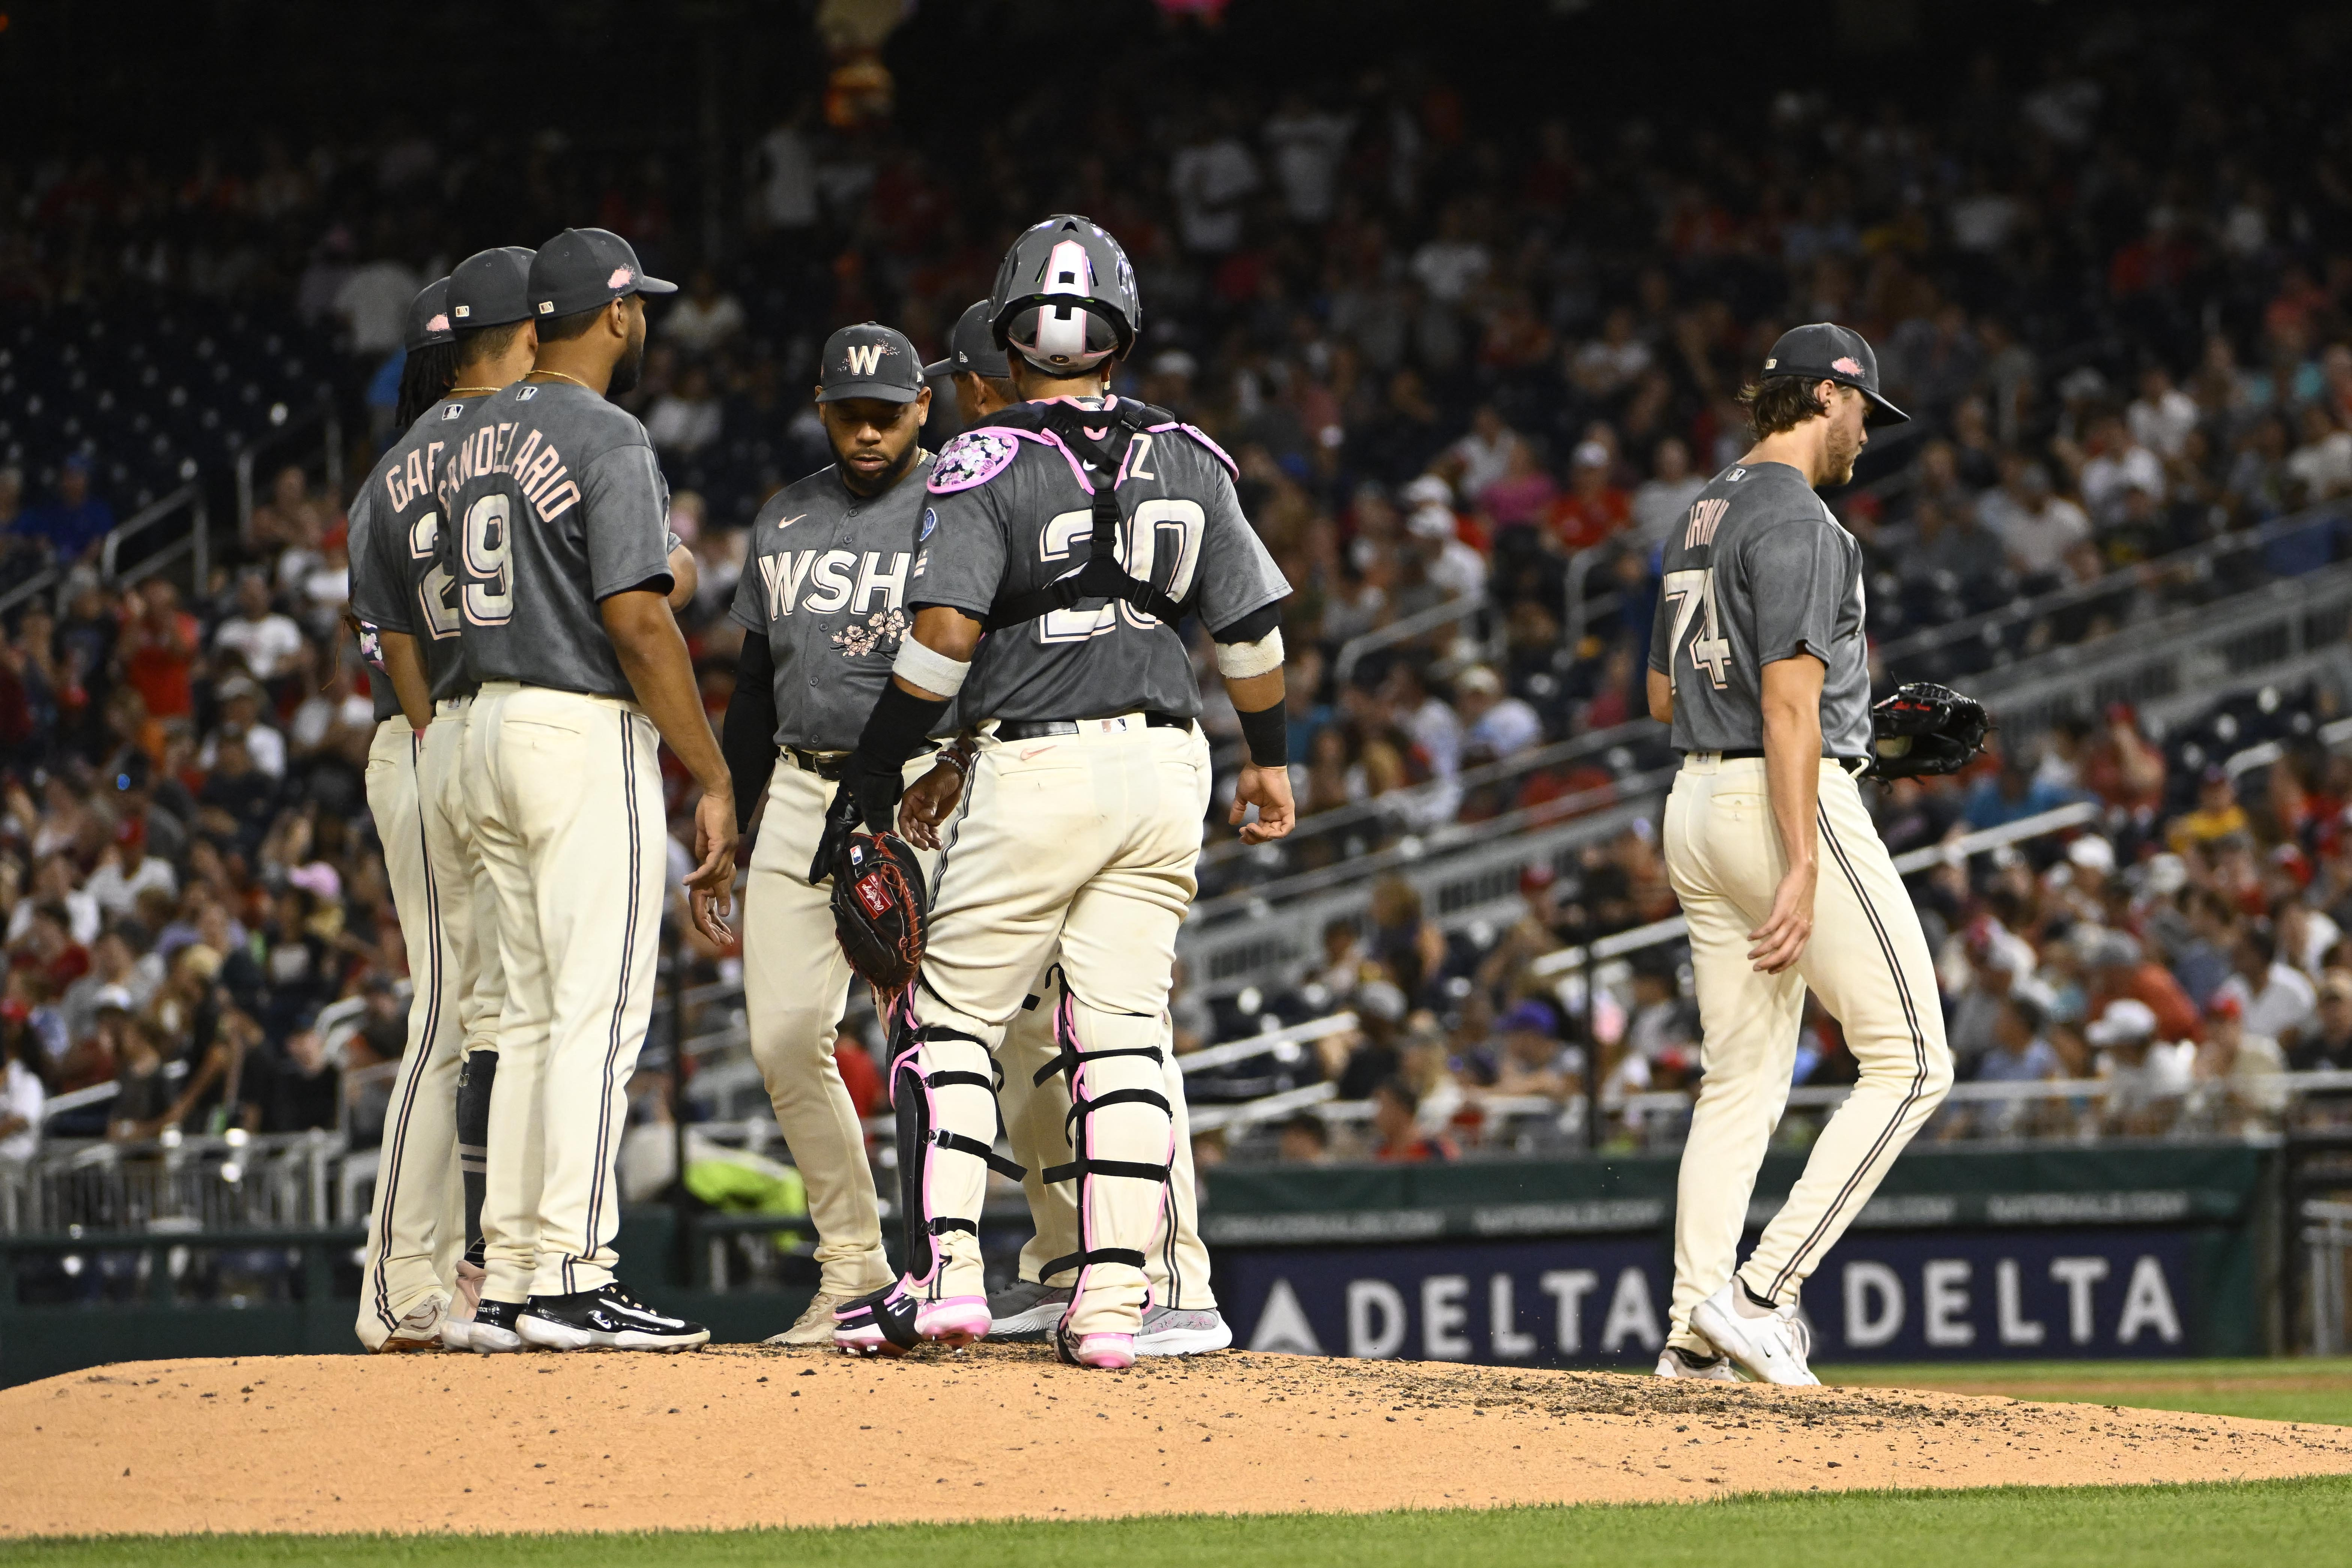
point(870, 359)
point(972, 348)
point(1823, 351)
point(583, 268)
point(2126, 1019)
point(428, 317)
point(491, 288)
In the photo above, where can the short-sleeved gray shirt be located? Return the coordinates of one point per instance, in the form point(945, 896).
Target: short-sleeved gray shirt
point(1759, 571)
point(1007, 513)
point(826, 585)
point(555, 505)
point(398, 582)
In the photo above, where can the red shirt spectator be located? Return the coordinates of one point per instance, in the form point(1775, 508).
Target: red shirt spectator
point(1594, 510)
point(159, 649)
point(2120, 767)
point(858, 1075)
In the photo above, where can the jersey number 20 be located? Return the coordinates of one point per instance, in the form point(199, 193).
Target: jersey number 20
point(1139, 550)
point(1691, 592)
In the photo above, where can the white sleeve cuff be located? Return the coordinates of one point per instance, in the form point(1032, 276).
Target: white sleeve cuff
point(932, 670)
point(1240, 661)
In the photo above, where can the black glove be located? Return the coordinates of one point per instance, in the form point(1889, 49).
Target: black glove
point(878, 914)
point(840, 822)
point(1924, 729)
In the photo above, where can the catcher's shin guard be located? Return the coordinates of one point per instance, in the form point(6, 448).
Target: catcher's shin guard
point(474, 1079)
point(1123, 1132)
point(943, 1087)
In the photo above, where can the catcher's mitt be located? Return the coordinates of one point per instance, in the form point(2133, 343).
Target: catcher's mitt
point(878, 912)
point(1925, 729)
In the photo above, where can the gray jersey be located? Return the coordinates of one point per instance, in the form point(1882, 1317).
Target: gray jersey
point(1007, 514)
point(826, 585)
point(398, 582)
point(1756, 571)
point(555, 505)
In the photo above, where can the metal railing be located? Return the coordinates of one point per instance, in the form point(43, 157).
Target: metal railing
point(329, 431)
point(196, 542)
point(1405, 629)
point(235, 1179)
point(2327, 1240)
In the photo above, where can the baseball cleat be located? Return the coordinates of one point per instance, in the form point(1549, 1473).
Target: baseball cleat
point(1676, 1361)
point(1770, 1347)
point(1025, 1312)
point(1106, 1352)
point(1171, 1330)
point(419, 1328)
point(891, 1321)
point(814, 1326)
point(492, 1331)
point(457, 1328)
point(607, 1318)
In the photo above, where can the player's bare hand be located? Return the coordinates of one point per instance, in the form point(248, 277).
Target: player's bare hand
point(1268, 789)
point(927, 803)
point(714, 842)
point(710, 911)
point(1780, 940)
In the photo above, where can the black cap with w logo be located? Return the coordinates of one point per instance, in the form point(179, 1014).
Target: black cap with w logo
point(870, 359)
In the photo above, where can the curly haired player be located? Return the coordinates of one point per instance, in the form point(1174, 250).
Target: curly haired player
point(1758, 663)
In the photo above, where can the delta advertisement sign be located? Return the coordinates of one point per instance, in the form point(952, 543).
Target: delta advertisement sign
point(1956, 1296)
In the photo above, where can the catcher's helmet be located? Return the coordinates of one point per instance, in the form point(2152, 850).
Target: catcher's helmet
point(1064, 297)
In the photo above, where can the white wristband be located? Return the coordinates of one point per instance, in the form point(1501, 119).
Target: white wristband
point(932, 670)
point(1240, 661)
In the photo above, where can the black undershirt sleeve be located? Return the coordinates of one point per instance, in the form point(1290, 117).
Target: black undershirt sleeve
point(1252, 626)
point(748, 739)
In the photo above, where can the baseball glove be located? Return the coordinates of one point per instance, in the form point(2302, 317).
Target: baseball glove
point(1925, 729)
point(878, 913)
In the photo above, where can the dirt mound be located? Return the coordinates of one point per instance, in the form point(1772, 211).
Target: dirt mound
point(741, 1435)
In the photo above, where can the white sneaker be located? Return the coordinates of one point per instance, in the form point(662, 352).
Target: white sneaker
point(1771, 1348)
point(1169, 1330)
point(1025, 1312)
point(814, 1326)
point(419, 1329)
point(457, 1328)
point(1676, 1361)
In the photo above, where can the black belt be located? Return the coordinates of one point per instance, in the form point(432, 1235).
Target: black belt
point(1853, 766)
point(1034, 729)
point(824, 766)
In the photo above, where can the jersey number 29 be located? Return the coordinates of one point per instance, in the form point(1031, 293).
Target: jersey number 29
point(1691, 592)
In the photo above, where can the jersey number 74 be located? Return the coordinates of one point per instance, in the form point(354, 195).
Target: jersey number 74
point(1691, 592)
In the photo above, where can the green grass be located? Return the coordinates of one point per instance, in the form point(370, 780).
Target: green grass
point(2017, 1526)
point(2311, 1389)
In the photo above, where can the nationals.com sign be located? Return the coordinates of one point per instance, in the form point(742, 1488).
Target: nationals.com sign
point(1969, 1295)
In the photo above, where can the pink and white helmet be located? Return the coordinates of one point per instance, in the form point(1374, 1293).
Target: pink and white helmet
point(1065, 299)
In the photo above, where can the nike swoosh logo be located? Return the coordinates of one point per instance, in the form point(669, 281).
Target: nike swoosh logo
point(787, 522)
point(1034, 751)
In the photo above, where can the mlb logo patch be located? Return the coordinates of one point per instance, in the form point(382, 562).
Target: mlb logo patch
point(526, 394)
point(454, 411)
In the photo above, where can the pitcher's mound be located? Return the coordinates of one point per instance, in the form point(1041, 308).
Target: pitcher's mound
point(740, 1435)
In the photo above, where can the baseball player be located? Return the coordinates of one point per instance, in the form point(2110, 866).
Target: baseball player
point(406, 1283)
point(823, 610)
point(1183, 1317)
point(1758, 663)
point(1075, 529)
point(558, 549)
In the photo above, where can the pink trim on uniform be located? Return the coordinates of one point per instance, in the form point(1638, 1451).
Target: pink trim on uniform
point(1200, 435)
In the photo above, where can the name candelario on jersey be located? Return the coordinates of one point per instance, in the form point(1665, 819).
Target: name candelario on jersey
point(538, 470)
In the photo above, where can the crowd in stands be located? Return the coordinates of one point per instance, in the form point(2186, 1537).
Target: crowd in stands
point(1468, 354)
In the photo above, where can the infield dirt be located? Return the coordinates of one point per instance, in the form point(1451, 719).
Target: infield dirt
point(741, 1435)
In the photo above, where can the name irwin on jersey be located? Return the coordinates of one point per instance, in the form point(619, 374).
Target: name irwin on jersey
point(537, 468)
point(836, 580)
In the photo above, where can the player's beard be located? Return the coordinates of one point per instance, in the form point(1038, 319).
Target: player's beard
point(887, 476)
point(626, 369)
point(1844, 451)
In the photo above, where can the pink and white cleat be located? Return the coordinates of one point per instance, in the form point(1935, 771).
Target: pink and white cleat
point(890, 1321)
point(1106, 1352)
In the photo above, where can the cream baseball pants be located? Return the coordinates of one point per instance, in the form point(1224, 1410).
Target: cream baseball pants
point(1868, 963)
point(1038, 1127)
point(1088, 843)
point(795, 989)
point(564, 793)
